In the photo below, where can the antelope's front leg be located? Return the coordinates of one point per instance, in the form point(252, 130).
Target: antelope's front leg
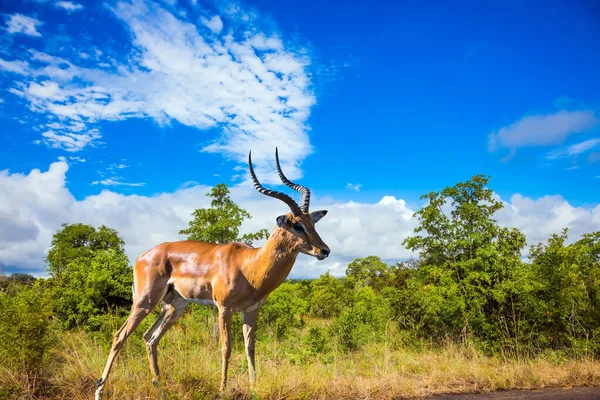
point(249, 321)
point(225, 331)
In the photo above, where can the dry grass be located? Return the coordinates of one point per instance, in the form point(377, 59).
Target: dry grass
point(190, 364)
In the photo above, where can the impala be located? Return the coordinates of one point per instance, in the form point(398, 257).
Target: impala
point(234, 277)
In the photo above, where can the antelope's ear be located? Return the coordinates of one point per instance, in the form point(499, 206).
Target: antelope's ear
point(282, 220)
point(317, 215)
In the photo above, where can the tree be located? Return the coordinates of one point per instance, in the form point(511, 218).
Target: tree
point(89, 274)
point(469, 226)
point(75, 241)
point(567, 296)
point(220, 223)
point(370, 271)
point(327, 296)
point(470, 269)
point(14, 282)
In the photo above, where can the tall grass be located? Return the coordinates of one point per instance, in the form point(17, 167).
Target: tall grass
point(189, 357)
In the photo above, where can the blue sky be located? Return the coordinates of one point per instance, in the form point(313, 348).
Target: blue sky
point(364, 101)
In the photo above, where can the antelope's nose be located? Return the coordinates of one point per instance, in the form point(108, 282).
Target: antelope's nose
point(325, 252)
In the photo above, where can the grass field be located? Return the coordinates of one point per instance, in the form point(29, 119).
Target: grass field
point(190, 369)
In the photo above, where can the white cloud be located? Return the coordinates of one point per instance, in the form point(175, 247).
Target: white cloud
point(116, 181)
point(69, 141)
point(36, 204)
point(538, 218)
point(17, 67)
point(354, 186)
point(69, 6)
point(214, 24)
point(574, 149)
point(45, 89)
point(19, 23)
point(249, 84)
point(542, 129)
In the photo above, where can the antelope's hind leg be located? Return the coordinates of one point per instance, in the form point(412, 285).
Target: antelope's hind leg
point(142, 306)
point(249, 328)
point(173, 308)
point(225, 331)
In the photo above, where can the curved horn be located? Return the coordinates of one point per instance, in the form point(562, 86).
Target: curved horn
point(296, 211)
point(302, 189)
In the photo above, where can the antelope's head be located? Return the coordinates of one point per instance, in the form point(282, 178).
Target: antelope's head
point(299, 224)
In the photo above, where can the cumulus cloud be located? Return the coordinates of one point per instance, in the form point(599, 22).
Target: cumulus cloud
point(69, 6)
point(538, 218)
point(354, 186)
point(22, 24)
point(248, 83)
point(36, 204)
point(542, 129)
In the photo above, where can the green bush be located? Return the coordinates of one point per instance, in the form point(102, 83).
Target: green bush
point(566, 300)
point(283, 309)
point(316, 341)
point(327, 297)
point(363, 321)
point(26, 330)
point(90, 275)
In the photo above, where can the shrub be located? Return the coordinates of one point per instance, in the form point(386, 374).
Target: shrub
point(363, 321)
point(283, 309)
point(25, 330)
point(316, 341)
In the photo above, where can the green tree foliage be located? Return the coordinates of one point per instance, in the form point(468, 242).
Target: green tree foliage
point(370, 271)
point(220, 223)
point(25, 328)
point(363, 321)
point(470, 273)
point(566, 301)
point(316, 341)
point(15, 281)
point(75, 241)
point(283, 309)
point(89, 274)
point(327, 296)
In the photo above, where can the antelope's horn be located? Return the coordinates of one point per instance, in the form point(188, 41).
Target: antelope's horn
point(296, 211)
point(302, 189)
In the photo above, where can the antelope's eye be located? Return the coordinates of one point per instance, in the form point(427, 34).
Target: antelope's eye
point(298, 227)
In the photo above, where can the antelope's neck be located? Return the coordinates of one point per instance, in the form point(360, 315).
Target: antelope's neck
point(274, 263)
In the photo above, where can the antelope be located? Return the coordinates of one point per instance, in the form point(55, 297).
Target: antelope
point(234, 277)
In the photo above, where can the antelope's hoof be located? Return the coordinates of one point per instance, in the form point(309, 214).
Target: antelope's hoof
point(99, 394)
point(155, 382)
point(99, 382)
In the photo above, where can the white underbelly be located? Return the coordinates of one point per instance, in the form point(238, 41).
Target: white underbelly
point(254, 306)
point(204, 302)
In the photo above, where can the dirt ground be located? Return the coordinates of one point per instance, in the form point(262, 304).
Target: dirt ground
point(576, 393)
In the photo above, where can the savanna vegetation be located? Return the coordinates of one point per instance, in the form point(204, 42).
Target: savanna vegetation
point(467, 314)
